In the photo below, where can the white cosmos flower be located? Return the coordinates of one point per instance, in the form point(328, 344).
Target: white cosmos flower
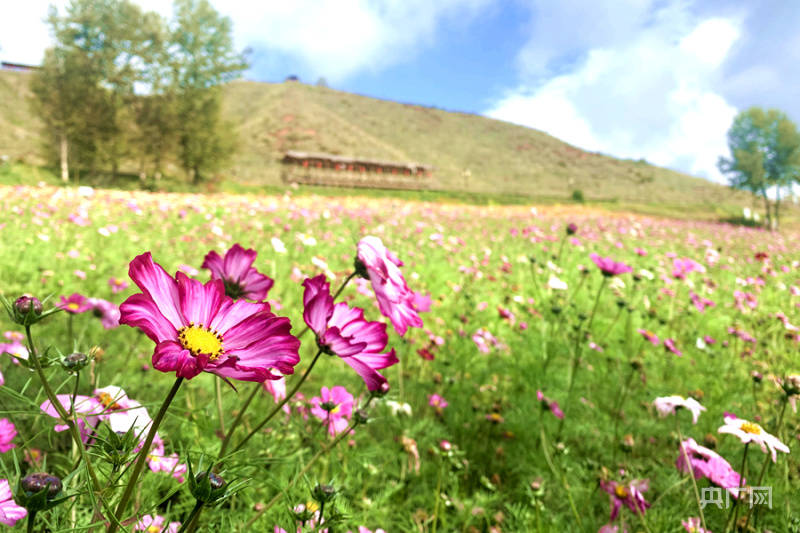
point(667, 405)
point(752, 432)
point(557, 284)
point(278, 245)
point(398, 407)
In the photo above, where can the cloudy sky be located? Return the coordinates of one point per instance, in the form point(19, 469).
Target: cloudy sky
point(654, 79)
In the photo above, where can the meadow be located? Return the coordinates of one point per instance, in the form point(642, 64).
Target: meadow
point(524, 403)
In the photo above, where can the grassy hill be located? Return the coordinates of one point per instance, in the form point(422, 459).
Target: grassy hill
point(470, 152)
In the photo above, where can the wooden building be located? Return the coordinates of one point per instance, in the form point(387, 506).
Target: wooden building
point(314, 168)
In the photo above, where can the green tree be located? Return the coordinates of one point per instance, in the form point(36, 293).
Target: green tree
point(102, 46)
point(765, 155)
point(202, 59)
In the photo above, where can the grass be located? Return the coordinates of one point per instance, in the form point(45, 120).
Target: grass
point(497, 334)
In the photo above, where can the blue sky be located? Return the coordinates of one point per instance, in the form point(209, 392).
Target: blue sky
point(654, 79)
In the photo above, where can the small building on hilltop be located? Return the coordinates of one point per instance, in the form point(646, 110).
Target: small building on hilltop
point(315, 168)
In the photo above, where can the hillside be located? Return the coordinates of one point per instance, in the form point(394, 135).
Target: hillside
point(469, 152)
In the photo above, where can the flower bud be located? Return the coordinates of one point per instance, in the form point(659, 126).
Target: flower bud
point(26, 310)
point(382, 391)
point(361, 416)
point(26, 304)
point(208, 487)
point(572, 228)
point(37, 492)
point(75, 361)
point(791, 385)
point(323, 493)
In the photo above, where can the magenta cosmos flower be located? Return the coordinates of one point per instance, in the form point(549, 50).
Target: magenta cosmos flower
point(334, 407)
point(7, 434)
point(343, 331)
point(694, 525)
point(434, 400)
point(76, 303)
point(237, 273)
point(10, 512)
point(396, 301)
point(630, 495)
point(197, 328)
point(107, 312)
point(608, 266)
point(649, 336)
point(708, 464)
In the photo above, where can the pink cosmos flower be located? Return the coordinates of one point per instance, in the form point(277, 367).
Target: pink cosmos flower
point(155, 524)
point(396, 301)
point(700, 302)
point(342, 331)
point(334, 407)
point(669, 344)
point(197, 328)
point(752, 432)
point(629, 495)
point(159, 461)
point(434, 400)
point(109, 404)
point(649, 336)
point(684, 266)
point(237, 273)
point(694, 525)
point(709, 464)
point(277, 388)
point(668, 405)
point(76, 303)
point(608, 266)
point(107, 312)
point(10, 512)
point(117, 284)
point(613, 528)
point(7, 434)
point(549, 404)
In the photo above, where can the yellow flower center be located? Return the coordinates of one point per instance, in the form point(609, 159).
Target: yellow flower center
point(312, 507)
point(153, 529)
point(72, 306)
point(198, 339)
point(749, 427)
point(107, 401)
point(621, 491)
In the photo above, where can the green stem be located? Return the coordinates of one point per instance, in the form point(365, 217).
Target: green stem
point(561, 477)
point(31, 519)
point(322, 451)
point(691, 473)
point(576, 357)
point(279, 406)
point(140, 460)
point(767, 460)
point(73, 428)
point(237, 420)
point(188, 524)
point(734, 514)
point(220, 414)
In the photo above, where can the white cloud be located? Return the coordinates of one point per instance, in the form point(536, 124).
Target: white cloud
point(340, 38)
point(332, 38)
point(649, 96)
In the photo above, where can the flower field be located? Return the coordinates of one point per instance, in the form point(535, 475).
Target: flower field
point(447, 367)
